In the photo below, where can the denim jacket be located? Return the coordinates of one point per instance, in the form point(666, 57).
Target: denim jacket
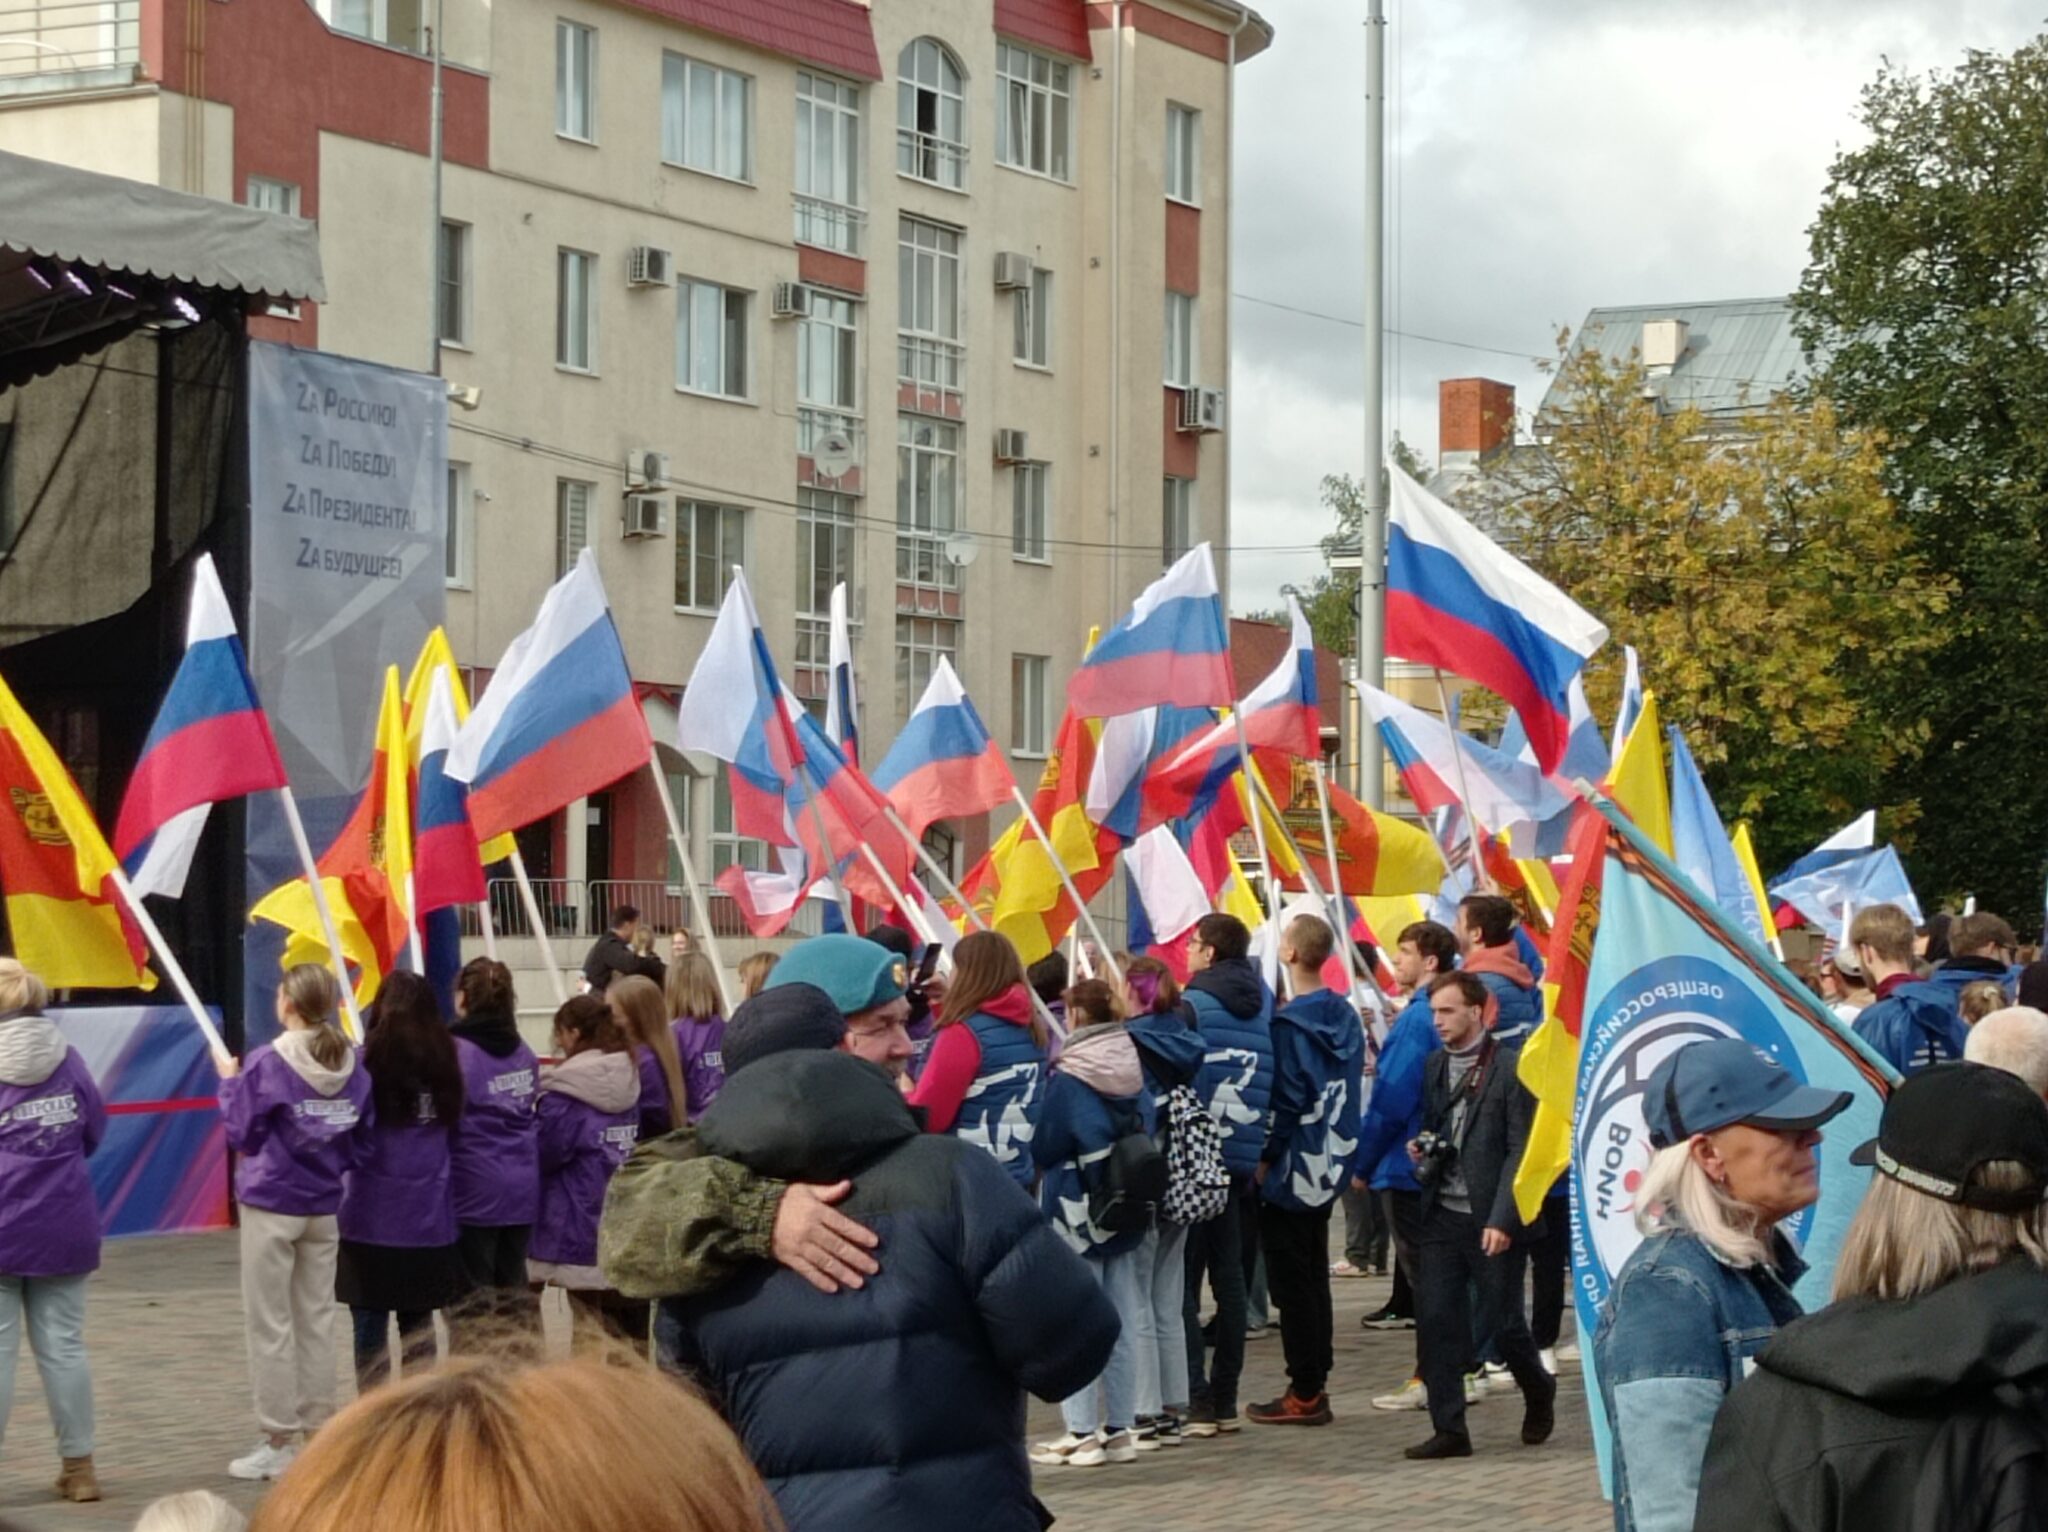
point(1679, 1330)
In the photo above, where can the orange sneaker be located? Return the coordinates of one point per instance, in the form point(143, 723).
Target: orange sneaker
point(1291, 1410)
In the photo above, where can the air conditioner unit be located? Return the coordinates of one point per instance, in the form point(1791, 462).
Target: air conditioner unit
point(792, 301)
point(647, 266)
point(1013, 447)
point(1201, 410)
point(645, 468)
point(643, 516)
point(1014, 270)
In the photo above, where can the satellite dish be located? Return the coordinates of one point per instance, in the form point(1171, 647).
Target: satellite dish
point(961, 549)
point(832, 453)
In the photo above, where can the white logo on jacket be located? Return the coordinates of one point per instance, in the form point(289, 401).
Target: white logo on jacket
point(1317, 1176)
point(1228, 1104)
point(1006, 1134)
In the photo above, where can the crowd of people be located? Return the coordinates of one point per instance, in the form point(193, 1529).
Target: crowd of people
point(871, 1211)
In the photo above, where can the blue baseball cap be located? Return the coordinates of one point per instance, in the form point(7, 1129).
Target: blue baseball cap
point(1722, 1081)
point(858, 974)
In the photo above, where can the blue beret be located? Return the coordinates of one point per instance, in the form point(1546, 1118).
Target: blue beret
point(855, 972)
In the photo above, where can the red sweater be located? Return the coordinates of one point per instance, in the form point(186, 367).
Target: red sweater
point(956, 1059)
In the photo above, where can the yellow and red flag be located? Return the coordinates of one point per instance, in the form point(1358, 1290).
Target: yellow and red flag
point(1377, 855)
point(436, 655)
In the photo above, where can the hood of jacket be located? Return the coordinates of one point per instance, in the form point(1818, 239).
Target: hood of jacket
point(808, 1114)
point(1234, 984)
point(493, 1031)
point(1172, 1047)
point(1504, 961)
point(296, 1049)
point(31, 1048)
point(609, 1082)
point(1326, 1019)
point(1958, 971)
point(1929, 1353)
point(1105, 1059)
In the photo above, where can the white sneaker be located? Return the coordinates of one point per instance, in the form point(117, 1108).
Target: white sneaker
point(1548, 1356)
point(266, 1462)
point(1090, 1453)
point(1061, 1449)
point(1119, 1447)
point(1494, 1378)
point(1475, 1386)
point(1409, 1396)
point(1568, 1352)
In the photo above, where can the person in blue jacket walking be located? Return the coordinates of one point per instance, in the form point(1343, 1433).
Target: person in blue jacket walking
point(1319, 1058)
point(1911, 1023)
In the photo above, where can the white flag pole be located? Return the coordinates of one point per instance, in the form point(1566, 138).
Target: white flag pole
point(1067, 881)
point(490, 931)
point(540, 929)
point(352, 1016)
point(172, 967)
point(1480, 877)
point(698, 903)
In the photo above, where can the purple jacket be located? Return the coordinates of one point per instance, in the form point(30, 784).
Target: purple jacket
point(589, 1111)
point(49, 1219)
point(496, 1152)
point(654, 1113)
point(701, 1043)
point(297, 1135)
point(400, 1194)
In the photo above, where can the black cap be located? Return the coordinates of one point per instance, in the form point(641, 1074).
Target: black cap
point(780, 1019)
point(1943, 1123)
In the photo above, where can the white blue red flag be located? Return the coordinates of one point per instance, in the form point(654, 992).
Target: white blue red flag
point(842, 706)
point(734, 708)
point(1171, 648)
point(944, 763)
point(446, 868)
point(1442, 768)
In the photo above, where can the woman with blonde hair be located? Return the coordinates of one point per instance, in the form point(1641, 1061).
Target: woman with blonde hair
point(297, 1114)
point(699, 1012)
point(982, 1079)
point(1916, 1398)
point(51, 1119)
point(754, 970)
point(642, 1014)
point(524, 1448)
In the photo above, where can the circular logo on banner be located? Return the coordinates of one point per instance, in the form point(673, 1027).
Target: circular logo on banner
point(1639, 1023)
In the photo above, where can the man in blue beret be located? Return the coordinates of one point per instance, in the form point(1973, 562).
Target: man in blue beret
point(867, 982)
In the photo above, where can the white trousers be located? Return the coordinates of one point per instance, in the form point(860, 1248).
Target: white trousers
point(288, 1312)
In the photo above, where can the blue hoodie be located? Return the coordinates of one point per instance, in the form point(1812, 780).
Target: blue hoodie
point(1318, 1058)
point(1914, 1025)
point(1394, 1115)
point(1169, 1048)
point(1097, 1094)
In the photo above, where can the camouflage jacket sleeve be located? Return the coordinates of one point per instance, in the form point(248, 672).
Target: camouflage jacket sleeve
point(679, 1222)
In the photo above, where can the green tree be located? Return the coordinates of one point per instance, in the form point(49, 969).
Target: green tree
point(1925, 308)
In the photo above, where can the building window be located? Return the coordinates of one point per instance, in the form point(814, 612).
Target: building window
point(576, 310)
point(928, 350)
point(1177, 524)
point(1180, 340)
point(396, 22)
point(706, 113)
point(828, 353)
point(927, 500)
point(824, 548)
point(456, 569)
point(1034, 112)
point(1027, 511)
point(931, 115)
point(1032, 345)
point(711, 339)
point(710, 540)
point(1028, 725)
point(728, 848)
point(1184, 155)
point(452, 293)
point(269, 196)
point(572, 522)
point(920, 643)
point(576, 81)
point(827, 163)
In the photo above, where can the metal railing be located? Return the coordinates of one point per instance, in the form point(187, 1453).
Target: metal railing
point(578, 907)
point(929, 362)
point(59, 38)
point(829, 225)
point(926, 157)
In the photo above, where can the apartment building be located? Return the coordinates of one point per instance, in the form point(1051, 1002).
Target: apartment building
point(928, 296)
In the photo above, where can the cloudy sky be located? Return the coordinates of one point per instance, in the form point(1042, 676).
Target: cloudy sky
point(1546, 157)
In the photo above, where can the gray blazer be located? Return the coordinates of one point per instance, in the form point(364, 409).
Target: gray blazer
point(1496, 1131)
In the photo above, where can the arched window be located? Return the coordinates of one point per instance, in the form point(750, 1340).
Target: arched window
point(931, 114)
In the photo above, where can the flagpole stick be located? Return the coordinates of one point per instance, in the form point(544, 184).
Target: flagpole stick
point(1479, 872)
point(412, 926)
point(483, 920)
point(697, 900)
point(825, 847)
point(540, 926)
point(911, 912)
point(1249, 769)
point(932, 866)
point(351, 1014)
point(1257, 779)
point(172, 967)
point(1066, 880)
point(1351, 953)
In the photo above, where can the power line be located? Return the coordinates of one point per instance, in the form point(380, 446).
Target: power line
point(1359, 324)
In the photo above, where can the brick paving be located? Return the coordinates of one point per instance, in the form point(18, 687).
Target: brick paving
point(164, 1327)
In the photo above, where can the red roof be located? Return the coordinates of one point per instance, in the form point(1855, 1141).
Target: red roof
point(1061, 25)
point(833, 34)
point(1257, 647)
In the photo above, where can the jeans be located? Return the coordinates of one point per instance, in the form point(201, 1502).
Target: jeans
point(494, 1261)
point(1163, 1366)
point(1217, 1248)
point(1110, 1402)
point(1453, 1271)
point(1365, 1229)
point(1297, 1245)
point(373, 1343)
point(54, 1308)
point(288, 1317)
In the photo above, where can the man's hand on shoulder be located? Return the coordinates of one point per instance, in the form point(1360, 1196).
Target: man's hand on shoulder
point(818, 1242)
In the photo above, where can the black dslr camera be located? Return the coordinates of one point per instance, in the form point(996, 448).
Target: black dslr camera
point(1437, 1155)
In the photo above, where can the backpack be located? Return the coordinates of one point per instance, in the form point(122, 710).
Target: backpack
point(1197, 1185)
point(1133, 1182)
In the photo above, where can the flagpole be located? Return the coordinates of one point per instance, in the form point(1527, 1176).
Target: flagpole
point(351, 1014)
point(1257, 780)
point(911, 912)
point(1479, 873)
point(697, 899)
point(825, 846)
point(483, 918)
point(412, 926)
point(1351, 952)
point(172, 967)
point(540, 928)
point(1066, 880)
point(1250, 771)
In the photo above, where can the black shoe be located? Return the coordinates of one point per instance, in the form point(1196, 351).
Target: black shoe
point(1441, 1445)
point(1386, 1319)
point(1539, 1415)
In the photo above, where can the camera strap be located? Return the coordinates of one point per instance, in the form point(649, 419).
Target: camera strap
point(1473, 1083)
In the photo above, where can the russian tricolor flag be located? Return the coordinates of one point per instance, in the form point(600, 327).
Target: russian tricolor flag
point(1171, 649)
point(944, 764)
point(1168, 898)
point(446, 867)
point(559, 719)
point(210, 743)
point(1444, 768)
point(1457, 600)
point(733, 708)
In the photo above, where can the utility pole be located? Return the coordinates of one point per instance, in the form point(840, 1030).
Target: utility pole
point(1372, 532)
point(434, 170)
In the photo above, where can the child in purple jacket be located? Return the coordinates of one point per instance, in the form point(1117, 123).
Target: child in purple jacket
point(298, 1114)
point(51, 1118)
point(693, 1000)
point(496, 1164)
point(589, 1111)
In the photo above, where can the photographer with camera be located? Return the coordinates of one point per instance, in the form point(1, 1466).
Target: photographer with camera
point(1475, 1122)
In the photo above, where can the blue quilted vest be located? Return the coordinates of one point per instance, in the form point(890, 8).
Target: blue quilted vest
point(1236, 1082)
point(998, 1108)
point(1521, 1010)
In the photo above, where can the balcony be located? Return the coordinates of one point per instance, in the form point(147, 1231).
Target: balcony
point(49, 46)
point(927, 581)
point(928, 374)
point(815, 424)
point(830, 225)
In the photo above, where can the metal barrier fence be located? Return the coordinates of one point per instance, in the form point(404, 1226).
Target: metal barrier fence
point(575, 907)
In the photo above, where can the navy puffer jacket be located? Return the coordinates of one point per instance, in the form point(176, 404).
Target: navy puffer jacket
point(902, 1404)
point(1232, 1008)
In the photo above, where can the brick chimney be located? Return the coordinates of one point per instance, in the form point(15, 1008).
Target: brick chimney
point(1475, 418)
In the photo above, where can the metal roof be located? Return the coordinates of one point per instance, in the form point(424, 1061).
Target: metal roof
point(1738, 353)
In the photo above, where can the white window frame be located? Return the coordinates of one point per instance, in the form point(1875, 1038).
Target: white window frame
point(919, 643)
point(573, 499)
point(460, 544)
point(924, 521)
point(828, 205)
point(683, 79)
point(728, 523)
point(1183, 155)
point(929, 350)
point(267, 194)
point(1030, 720)
point(1031, 322)
point(1177, 528)
point(575, 81)
point(921, 149)
point(729, 848)
point(833, 519)
point(828, 351)
point(1030, 512)
point(460, 245)
point(571, 268)
point(1183, 358)
point(734, 373)
point(1035, 107)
